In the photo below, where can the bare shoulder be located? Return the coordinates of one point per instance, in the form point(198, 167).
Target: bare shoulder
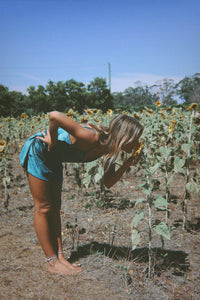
point(79, 134)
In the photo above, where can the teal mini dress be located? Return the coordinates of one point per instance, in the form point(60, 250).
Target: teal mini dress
point(47, 165)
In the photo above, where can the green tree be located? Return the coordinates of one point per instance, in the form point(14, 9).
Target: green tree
point(99, 95)
point(189, 89)
point(18, 103)
point(5, 101)
point(77, 94)
point(37, 100)
point(57, 96)
point(165, 91)
point(140, 96)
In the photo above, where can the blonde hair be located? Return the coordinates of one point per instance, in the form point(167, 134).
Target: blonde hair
point(122, 130)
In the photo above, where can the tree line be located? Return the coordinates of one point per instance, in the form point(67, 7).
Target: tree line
point(73, 94)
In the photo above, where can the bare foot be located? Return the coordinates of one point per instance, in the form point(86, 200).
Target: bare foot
point(71, 266)
point(56, 266)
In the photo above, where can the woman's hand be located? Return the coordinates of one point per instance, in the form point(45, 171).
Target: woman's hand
point(46, 139)
point(133, 160)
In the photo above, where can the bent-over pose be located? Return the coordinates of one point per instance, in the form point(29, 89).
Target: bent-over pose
point(67, 141)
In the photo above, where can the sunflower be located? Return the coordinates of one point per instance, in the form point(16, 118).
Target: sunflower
point(2, 145)
point(163, 116)
point(84, 120)
point(70, 113)
point(88, 111)
point(23, 116)
point(173, 122)
point(197, 120)
point(33, 126)
point(171, 129)
point(109, 112)
point(149, 111)
point(20, 124)
point(158, 103)
point(135, 115)
point(193, 106)
point(38, 118)
point(139, 149)
point(181, 117)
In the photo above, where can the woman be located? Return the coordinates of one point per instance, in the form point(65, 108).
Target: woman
point(68, 141)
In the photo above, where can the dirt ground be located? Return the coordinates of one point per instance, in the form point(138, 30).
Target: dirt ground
point(100, 239)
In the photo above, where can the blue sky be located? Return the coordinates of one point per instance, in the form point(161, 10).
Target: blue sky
point(145, 40)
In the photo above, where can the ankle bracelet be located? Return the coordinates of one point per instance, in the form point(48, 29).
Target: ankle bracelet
point(50, 258)
point(62, 252)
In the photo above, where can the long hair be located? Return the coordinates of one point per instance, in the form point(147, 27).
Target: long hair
point(122, 130)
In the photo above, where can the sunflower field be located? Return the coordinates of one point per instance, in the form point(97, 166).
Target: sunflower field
point(171, 148)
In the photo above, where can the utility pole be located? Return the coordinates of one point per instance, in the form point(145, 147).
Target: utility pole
point(109, 76)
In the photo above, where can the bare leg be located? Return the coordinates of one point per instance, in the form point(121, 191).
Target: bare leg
point(43, 217)
point(55, 223)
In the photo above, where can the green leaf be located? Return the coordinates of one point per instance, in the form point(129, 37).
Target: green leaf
point(139, 216)
point(160, 202)
point(163, 230)
point(91, 165)
point(178, 165)
point(186, 147)
point(154, 169)
point(87, 180)
point(97, 177)
point(192, 187)
point(170, 179)
point(140, 200)
point(135, 238)
point(165, 151)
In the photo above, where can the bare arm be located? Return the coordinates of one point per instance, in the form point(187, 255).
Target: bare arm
point(83, 137)
point(112, 176)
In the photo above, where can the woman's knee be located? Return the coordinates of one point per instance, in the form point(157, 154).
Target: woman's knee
point(42, 208)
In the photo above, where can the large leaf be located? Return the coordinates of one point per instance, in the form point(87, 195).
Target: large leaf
point(178, 165)
point(165, 151)
point(139, 216)
point(193, 187)
point(163, 230)
point(160, 202)
point(186, 147)
point(140, 200)
point(135, 238)
point(87, 180)
point(170, 179)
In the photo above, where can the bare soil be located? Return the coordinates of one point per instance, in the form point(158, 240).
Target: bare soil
point(100, 239)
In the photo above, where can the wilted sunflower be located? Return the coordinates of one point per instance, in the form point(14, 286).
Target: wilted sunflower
point(193, 106)
point(181, 117)
point(33, 126)
point(20, 124)
point(158, 103)
point(2, 145)
point(171, 129)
